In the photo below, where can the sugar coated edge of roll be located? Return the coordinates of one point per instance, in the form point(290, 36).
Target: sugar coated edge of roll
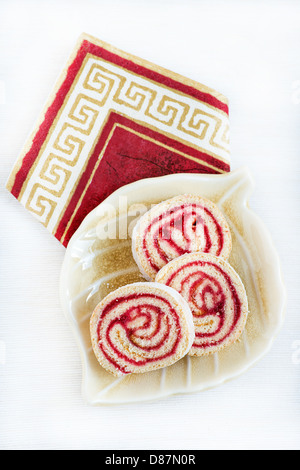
point(167, 275)
point(114, 364)
point(143, 260)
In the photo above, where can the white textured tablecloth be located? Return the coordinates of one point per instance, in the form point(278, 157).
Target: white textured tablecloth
point(247, 50)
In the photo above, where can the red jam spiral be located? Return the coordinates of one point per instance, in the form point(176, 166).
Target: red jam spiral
point(141, 327)
point(180, 225)
point(216, 297)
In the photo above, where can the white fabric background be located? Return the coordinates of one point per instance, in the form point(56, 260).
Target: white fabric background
point(247, 50)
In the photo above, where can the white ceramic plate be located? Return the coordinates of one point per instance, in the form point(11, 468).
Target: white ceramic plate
point(98, 259)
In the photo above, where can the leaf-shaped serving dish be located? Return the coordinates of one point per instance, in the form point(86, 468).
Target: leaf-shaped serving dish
point(98, 260)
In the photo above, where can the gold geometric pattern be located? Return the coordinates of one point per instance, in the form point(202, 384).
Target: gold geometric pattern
point(99, 88)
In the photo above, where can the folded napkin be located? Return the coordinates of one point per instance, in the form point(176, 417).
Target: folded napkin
point(112, 119)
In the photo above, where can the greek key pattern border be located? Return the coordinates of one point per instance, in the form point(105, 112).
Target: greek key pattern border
point(99, 88)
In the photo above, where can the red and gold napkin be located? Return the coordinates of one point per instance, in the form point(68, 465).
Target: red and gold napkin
point(112, 119)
